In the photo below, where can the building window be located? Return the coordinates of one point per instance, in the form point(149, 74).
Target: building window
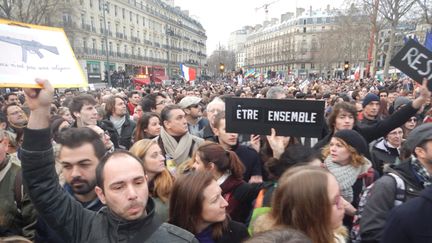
point(82, 21)
point(93, 28)
point(304, 29)
point(123, 13)
point(115, 10)
point(130, 16)
point(91, 3)
point(85, 44)
point(143, 21)
point(303, 66)
point(101, 26)
point(94, 46)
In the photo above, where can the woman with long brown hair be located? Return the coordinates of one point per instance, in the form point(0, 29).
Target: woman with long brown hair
point(307, 199)
point(148, 126)
point(159, 178)
point(197, 205)
point(228, 170)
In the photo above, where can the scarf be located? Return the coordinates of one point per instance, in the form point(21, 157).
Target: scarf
point(421, 173)
point(346, 176)
point(178, 151)
point(118, 123)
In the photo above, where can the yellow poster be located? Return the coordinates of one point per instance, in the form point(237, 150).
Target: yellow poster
point(32, 51)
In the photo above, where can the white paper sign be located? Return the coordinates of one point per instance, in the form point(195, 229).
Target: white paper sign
point(31, 51)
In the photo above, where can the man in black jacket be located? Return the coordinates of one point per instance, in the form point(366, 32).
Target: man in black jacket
point(116, 113)
point(129, 215)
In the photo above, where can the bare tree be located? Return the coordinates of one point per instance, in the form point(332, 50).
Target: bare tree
point(28, 11)
point(393, 11)
point(426, 8)
point(221, 55)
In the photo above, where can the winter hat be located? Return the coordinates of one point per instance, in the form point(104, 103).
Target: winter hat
point(354, 139)
point(369, 98)
point(401, 101)
point(417, 136)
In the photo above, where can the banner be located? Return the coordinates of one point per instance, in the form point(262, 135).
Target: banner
point(302, 118)
point(32, 51)
point(415, 61)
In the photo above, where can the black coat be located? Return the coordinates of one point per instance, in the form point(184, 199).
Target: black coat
point(237, 232)
point(410, 222)
point(125, 138)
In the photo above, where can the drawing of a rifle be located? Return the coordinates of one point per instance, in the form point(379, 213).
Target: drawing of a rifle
point(29, 46)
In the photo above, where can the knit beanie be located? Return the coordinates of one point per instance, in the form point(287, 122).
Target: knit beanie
point(400, 101)
point(369, 98)
point(354, 139)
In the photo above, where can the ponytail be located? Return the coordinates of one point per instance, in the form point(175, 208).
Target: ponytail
point(236, 166)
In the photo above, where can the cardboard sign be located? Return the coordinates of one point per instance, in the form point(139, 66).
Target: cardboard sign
point(31, 51)
point(415, 61)
point(301, 118)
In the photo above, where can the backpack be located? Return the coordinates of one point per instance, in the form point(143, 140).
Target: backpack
point(400, 198)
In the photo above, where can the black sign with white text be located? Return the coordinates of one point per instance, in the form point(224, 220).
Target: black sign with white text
point(415, 61)
point(301, 118)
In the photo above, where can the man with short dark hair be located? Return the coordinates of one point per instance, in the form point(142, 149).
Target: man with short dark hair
point(154, 103)
point(121, 185)
point(12, 98)
point(134, 97)
point(176, 142)
point(81, 149)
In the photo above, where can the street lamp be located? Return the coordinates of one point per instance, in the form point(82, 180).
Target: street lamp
point(169, 32)
point(105, 8)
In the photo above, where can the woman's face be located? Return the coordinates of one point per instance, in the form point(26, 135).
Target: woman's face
point(339, 153)
point(214, 205)
point(68, 117)
point(198, 165)
point(411, 123)
point(153, 129)
point(154, 161)
point(336, 202)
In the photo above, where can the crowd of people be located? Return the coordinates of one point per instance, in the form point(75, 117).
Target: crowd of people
point(156, 164)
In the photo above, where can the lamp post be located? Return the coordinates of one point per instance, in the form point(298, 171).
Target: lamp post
point(105, 8)
point(169, 32)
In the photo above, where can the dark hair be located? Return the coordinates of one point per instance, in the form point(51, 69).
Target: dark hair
point(6, 96)
point(75, 137)
point(79, 101)
point(186, 203)
point(55, 122)
point(166, 112)
point(224, 160)
point(100, 167)
point(282, 235)
point(348, 107)
point(294, 155)
point(142, 124)
point(149, 101)
point(3, 117)
point(133, 92)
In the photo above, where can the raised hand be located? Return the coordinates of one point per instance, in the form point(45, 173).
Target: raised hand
point(39, 98)
point(277, 143)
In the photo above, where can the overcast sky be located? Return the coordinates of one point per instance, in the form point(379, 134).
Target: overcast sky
point(221, 17)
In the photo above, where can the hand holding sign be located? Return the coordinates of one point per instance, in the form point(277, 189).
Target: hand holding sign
point(425, 94)
point(415, 61)
point(277, 143)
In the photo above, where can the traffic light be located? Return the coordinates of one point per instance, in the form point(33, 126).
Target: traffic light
point(346, 66)
point(221, 67)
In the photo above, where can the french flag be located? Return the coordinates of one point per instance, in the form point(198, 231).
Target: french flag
point(188, 73)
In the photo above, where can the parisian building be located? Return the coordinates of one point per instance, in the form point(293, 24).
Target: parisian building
point(291, 46)
point(144, 39)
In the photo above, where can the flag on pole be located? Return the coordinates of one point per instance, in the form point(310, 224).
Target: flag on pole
point(188, 73)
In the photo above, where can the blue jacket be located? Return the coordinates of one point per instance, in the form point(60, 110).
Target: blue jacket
point(411, 222)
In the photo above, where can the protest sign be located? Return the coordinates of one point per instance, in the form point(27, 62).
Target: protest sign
point(32, 51)
point(415, 61)
point(302, 118)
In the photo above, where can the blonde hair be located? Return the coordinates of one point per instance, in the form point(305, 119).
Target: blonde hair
point(356, 158)
point(164, 181)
